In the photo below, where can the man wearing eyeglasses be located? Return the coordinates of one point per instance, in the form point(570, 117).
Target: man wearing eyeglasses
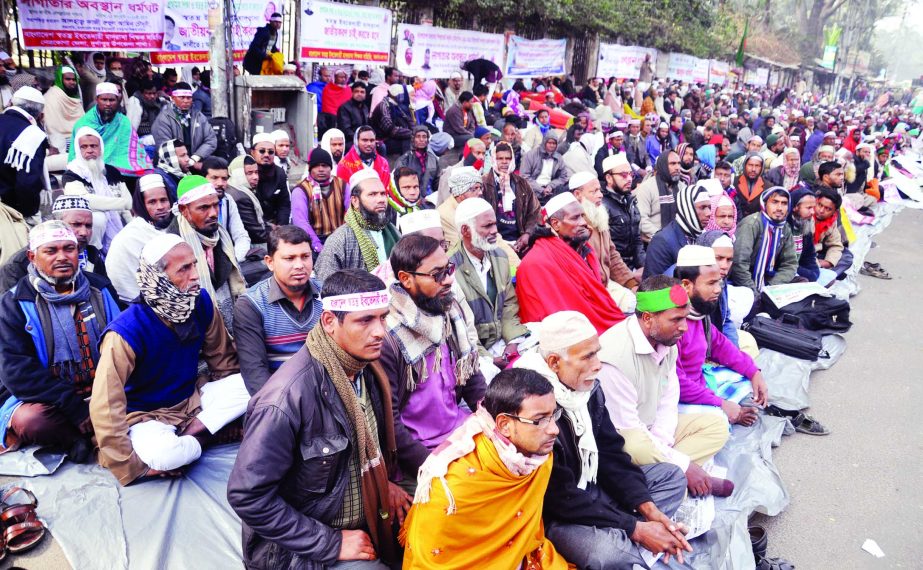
point(622, 207)
point(600, 509)
point(428, 355)
point(272, 188)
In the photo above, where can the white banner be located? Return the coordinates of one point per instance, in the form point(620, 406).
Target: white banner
point(82, 25)
point(623, 62)
point(186, 30)
point(757, 76)
point(345, 33)
point(718, 72)
point(534, 58)
point(688, 68)
point(433, 52)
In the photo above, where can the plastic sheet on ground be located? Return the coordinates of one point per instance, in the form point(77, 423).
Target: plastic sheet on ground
point(164, 523)
point(848, 287)
point(30, 462)
point(789, 378)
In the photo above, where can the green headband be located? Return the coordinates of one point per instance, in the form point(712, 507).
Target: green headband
point(661, 299)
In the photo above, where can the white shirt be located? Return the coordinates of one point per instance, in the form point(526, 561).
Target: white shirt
point(481, 266)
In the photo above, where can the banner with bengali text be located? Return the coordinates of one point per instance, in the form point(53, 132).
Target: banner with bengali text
point(758, 76)
point(534, 58)
point(187, 32)
point(623, 62)
point(718, 72)
point(688, 68)
point(345, 33)
point(433, 52)
point(92, 25)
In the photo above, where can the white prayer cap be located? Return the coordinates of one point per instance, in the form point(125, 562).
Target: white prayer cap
point(151, 181)
point(455, 75)
point(289, 67)
point(261, 138)
point(279, 135)
point(67, 69)
point(562, 330)
point(75, 188)
point(557, 203)
point(361, 176)
point(470, 209)
point(712, 186)
point(159, 246)
point(695, 256)
point(420, 220)
point(106, 88)
point(580, 178)
point(723, 241)
point(662, 125)
point(47, 232)
point(615, 161)
point(27, 93)
point(615, 134)
point(830, 134)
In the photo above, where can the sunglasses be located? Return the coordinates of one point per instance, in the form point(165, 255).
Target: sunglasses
point(438, 275)
point(266, 151)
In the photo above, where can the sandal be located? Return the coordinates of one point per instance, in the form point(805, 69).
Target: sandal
point(804, 423)
point(21, 527)
point(774, 564)
point(875, 272)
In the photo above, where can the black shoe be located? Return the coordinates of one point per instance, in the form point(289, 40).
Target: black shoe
point(81, 451)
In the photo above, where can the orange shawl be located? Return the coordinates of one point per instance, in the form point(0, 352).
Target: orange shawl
point(498, 522)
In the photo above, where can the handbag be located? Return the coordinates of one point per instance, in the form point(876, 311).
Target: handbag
point(786, 336)
point(826, 315)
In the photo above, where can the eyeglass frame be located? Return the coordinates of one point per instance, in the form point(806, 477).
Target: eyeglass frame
point(449, 269)
point(540, 423)
point(269, 151)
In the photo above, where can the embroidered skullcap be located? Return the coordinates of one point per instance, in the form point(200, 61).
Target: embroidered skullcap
point(65, 203)
point(462, 179)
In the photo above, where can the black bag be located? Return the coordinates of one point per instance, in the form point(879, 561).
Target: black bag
point(826, 315)
point(786, 336)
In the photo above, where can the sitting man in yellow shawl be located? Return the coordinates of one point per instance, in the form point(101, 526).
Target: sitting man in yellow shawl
point(479, 496)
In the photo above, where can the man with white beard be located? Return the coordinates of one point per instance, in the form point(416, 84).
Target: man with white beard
point(483, 274)
point(107, 194)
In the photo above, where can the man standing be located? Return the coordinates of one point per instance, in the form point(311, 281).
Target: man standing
point(366, 238)
point(657, 195)
point(51, 324)
point(421, 160)
point(484, 277)
point(216, 263)
point(23, 146)
point(459, 119)
point(563, 257)
point(693, 210)
point(479, 497)
point(151, 419)
point(764, 248)
point(354, 113)
point(621, 206)
point(182, 123)
point(636, 147)
point(311, 478)
point(364, 156)
point(639, 380)
point(515, 204)
point(122, 148)
point(318, 202)
point(595, 490)
point(428, 355)
point(273, 318)
point(153, 207)
point(263, 44)
point(272, 188)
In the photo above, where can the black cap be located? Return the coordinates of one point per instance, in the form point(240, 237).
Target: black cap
point(319, 156)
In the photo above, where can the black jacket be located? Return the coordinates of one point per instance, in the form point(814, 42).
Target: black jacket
point(20, 189)
point(289, 481)
point(256, 52)
point(257, 229)
point(620, 485)
point(17, 267)
point(351, 116)
point(625, 226)
point(272, 190)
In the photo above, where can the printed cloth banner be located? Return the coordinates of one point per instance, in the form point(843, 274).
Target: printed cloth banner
point(688, 68)
point(345, 33)
point(758, 76)
point(186, 29)
point(97, 25)
point(433, 52)
point(623, 62)
point(534, 58)
point(718, 72)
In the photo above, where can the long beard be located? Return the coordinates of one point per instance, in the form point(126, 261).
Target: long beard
point(576, 242)
point(703, 307)
point(374, 219)
point(596, 215)
point(106, 116)
point(96, 167)
point(482, 244)
point(437, 305)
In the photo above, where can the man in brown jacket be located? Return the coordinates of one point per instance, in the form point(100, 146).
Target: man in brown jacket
point(512, 198)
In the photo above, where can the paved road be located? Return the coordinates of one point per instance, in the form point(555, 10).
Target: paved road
point(865, 480)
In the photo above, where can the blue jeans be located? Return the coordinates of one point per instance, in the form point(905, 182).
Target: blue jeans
point(595, 548)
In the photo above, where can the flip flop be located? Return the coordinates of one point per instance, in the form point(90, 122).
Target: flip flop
point(804, 423)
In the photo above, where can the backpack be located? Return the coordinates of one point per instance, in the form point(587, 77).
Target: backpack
point(826, 315)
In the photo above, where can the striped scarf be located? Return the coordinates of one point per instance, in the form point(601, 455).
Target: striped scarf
point(361, 228)
point(162, 296)
point(686, 216)
point(770, 242)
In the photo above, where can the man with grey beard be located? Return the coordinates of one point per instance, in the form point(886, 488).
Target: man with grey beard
point(50, 326)
point(366, 239)
point(484, 277)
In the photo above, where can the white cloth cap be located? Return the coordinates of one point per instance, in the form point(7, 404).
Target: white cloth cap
point(419, 221)
point(261, 138)
point(151, 181)
point(562, 330)
point(159, 246)
point(75, 188)
point(695, 256)
point(275, 19)
point(279, 135)
point(723, 241)
point(557, 203)
point(106, 88)
point(580, 178)
point(47, 232)
point(29, 94)
point(4, 56)
point(615, 161)
point(713, 187)
point(830, 134)
point(289, 67)
point(615, 134)
point(455, 75)
point(470, 209)
point(361, 176)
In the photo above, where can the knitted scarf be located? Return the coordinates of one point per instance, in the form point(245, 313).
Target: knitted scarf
point(342, 369)
point(685, 210)
point(419, 333)
point(162, 296)
point(666, 189)
point(770, 244)
point(398, 203)
point(167, 160)
point(361, 228)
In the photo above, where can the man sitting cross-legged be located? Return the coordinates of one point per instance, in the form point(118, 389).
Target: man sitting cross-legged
point(595, 490)
point(147, 386)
